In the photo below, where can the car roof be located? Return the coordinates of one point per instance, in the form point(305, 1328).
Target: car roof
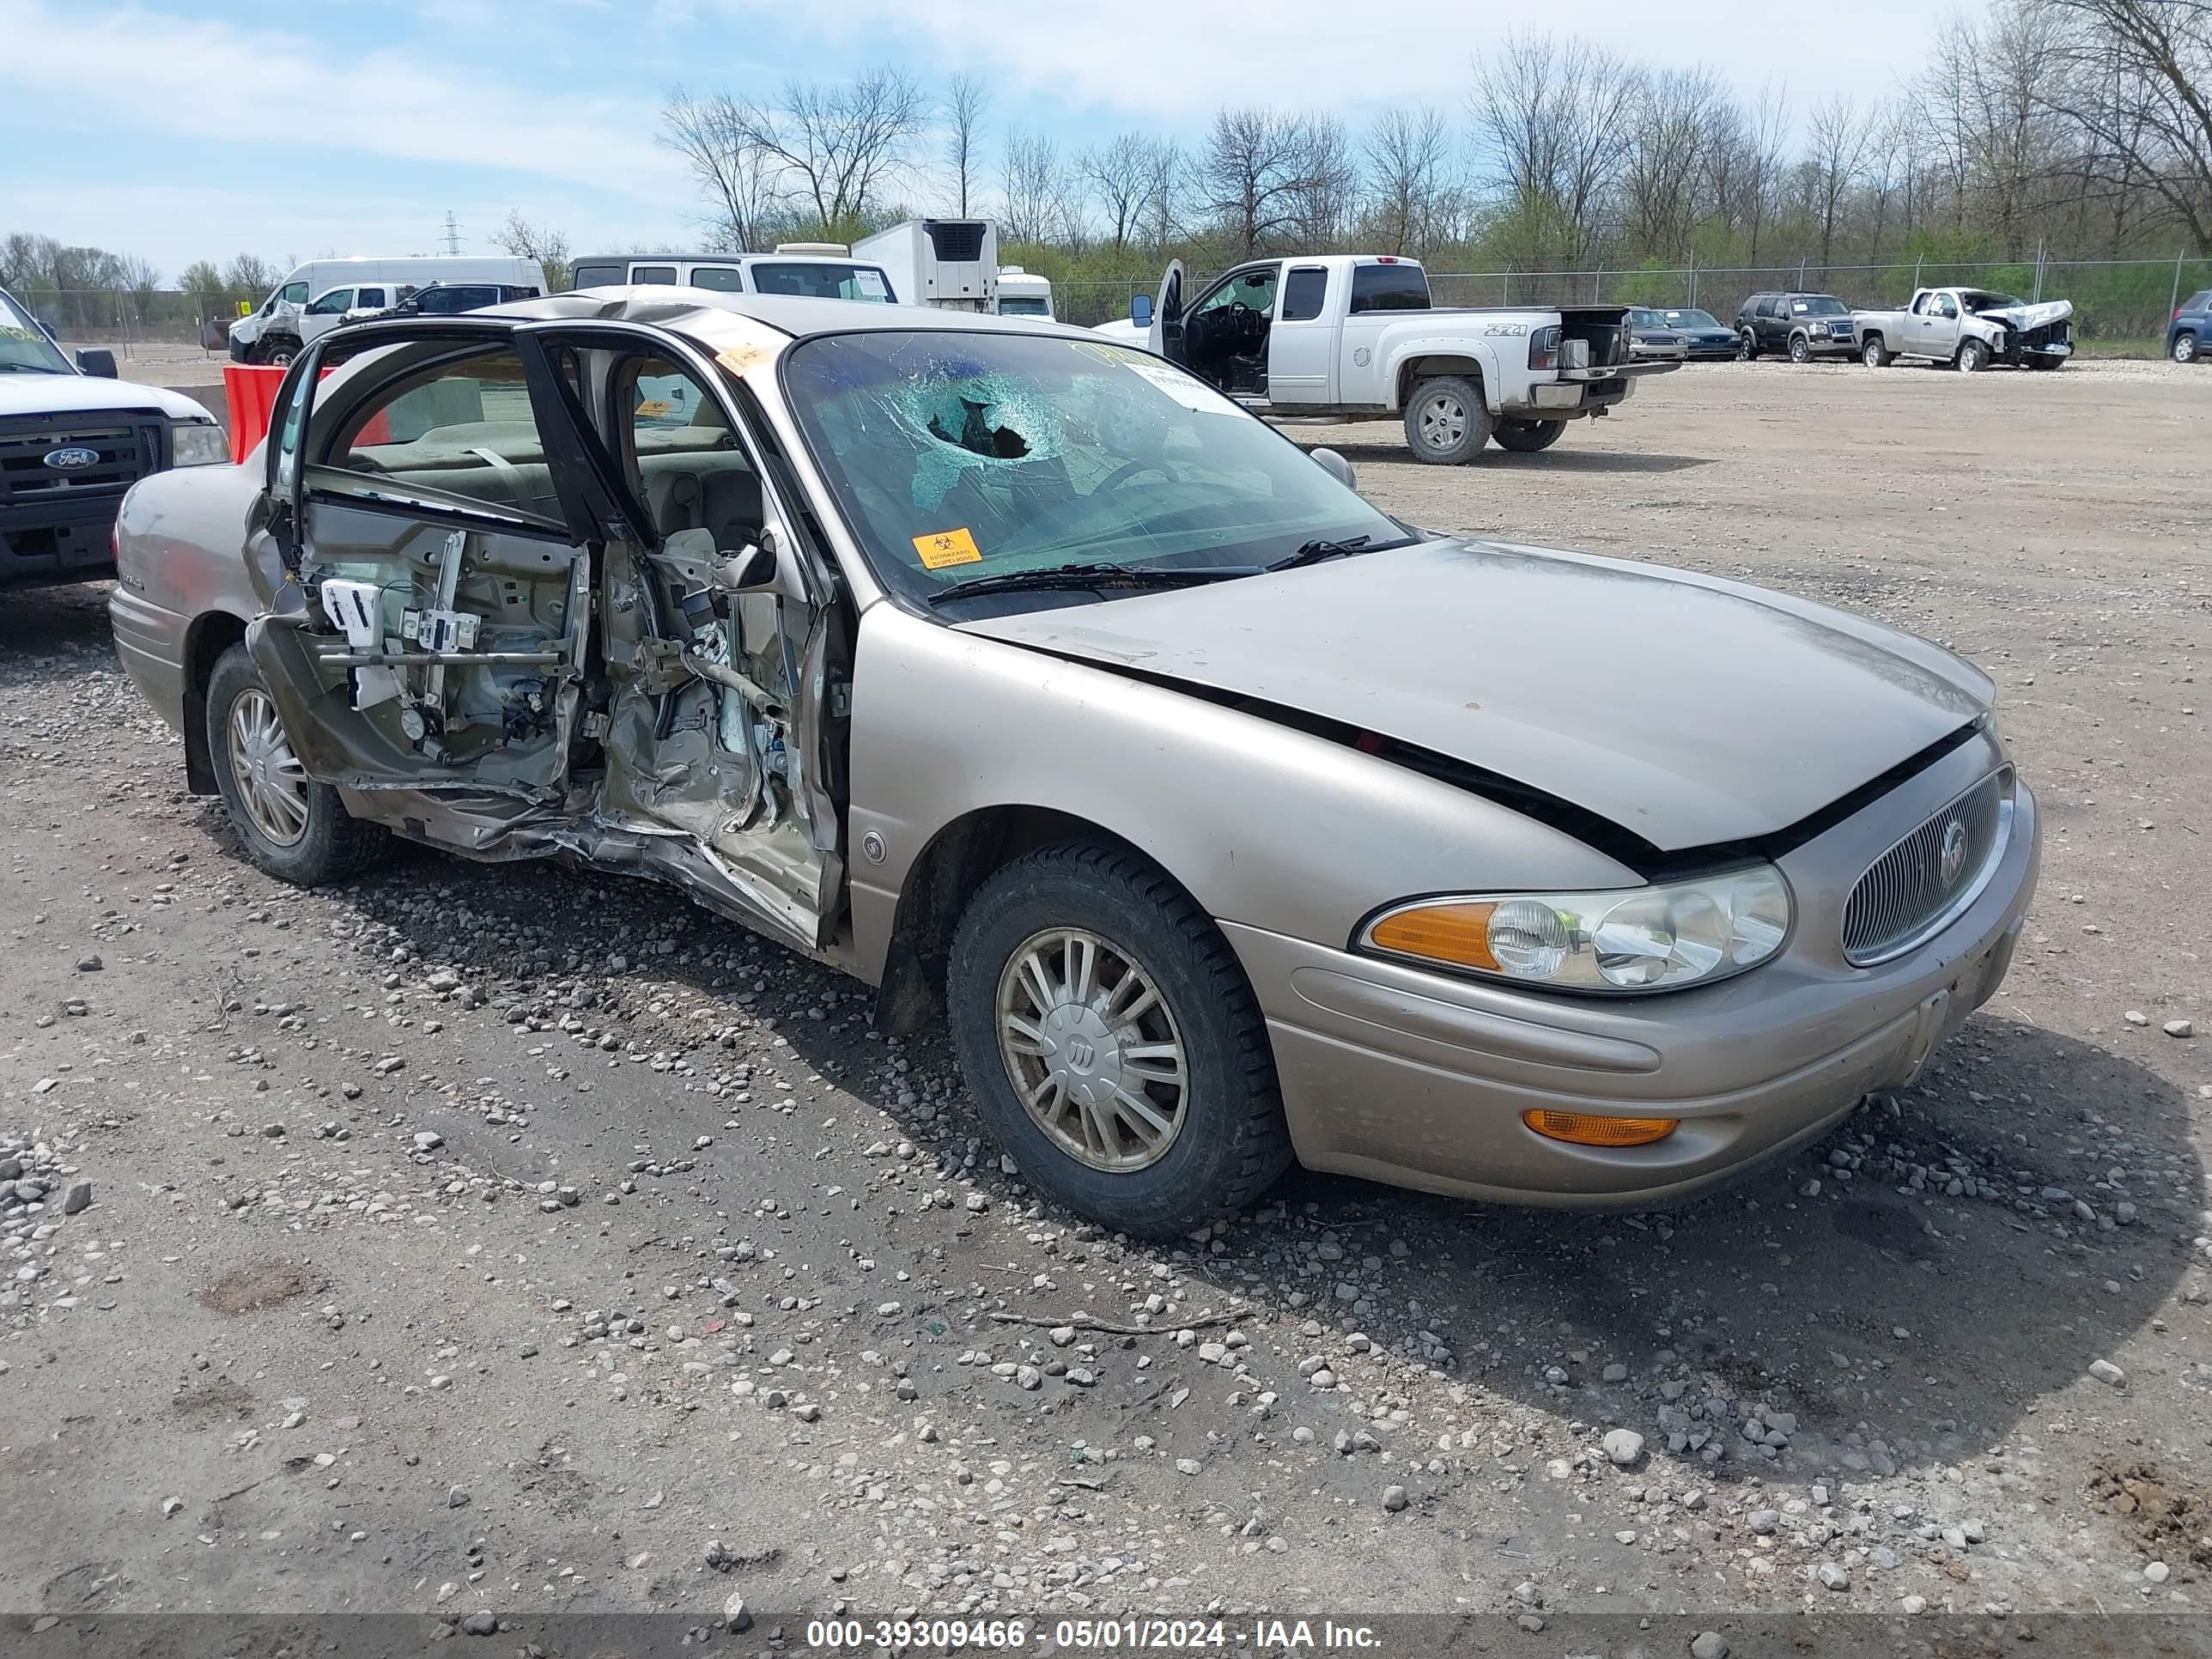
point(705, 312)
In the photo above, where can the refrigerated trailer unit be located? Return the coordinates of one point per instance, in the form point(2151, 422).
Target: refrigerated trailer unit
point(952, 262)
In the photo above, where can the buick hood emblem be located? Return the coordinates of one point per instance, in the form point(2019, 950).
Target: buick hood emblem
point(1951, 859)
point(70, 457)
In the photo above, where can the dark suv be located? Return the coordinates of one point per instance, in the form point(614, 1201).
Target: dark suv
point(1805, 326)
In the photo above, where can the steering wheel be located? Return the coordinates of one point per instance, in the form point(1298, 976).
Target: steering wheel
point(1128, 469)
point(1244, 323)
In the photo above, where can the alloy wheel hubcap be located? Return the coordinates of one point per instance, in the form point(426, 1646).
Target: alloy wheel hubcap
point(1092, 1049)
point(272, 785)
point(1444, 420)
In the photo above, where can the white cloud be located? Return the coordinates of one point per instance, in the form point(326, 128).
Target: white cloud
point(1177, 65)
point(211, 80)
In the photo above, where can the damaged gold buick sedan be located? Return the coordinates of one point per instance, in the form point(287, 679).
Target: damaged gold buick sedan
point(1226, 818)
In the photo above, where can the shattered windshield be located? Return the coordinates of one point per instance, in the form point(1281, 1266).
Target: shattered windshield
point(960, 455)
point(24, 344)
point(1977, 300)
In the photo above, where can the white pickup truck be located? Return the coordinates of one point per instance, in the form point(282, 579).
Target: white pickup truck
point(1972, 327)
point(1353, 337)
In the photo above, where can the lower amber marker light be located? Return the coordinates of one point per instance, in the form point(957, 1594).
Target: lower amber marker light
point(1586, 1129)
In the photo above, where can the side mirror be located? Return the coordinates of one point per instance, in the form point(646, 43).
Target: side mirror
point(96, 361)
point(1336, 466)
point(1141, 310)
point(762, 566)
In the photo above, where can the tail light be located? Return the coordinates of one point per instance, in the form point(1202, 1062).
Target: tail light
point(1544, 348)
point(2178, 310)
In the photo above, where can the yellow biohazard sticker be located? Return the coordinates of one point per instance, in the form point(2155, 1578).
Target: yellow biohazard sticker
point(947, 547)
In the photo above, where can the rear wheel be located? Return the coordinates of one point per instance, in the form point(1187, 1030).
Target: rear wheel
point(2046, 364)
point(2185, 347)
point(1973, 356)
point(1801, 349)
point(1113, 1045)
point(1526, 437)
point(1446, 421)
point(1875, 354)
point(291, 826)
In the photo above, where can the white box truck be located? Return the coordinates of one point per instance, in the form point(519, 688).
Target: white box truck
point(951, 263)
point(1024, 293)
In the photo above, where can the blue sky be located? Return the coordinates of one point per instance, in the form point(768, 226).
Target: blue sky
point(179, 131)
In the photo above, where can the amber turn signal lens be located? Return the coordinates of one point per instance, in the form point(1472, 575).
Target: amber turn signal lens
point(1441, 932)
point(1585, 1130)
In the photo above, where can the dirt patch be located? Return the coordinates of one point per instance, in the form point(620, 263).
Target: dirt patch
point(219, 1401)
point(260, 1285)
point(2166, 1524)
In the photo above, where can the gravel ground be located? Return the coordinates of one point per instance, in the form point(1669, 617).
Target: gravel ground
point(464, 1240)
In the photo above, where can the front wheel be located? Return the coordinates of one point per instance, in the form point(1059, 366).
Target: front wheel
point(1874, 354)
point(2046, 364)
point(1973, 357)
point(2185, 347)
point(1112, 1043)
point(291, 826)
point(1446, 421)
point(1801, 349)
point(1526, 437)
point(1747, 347)
point(277, 353)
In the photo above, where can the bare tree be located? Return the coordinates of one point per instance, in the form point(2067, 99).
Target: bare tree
point(547, 246)
point(1408, 152)
point(1556, 118)
point(740, 176)
point(1033, 188)
point(1261, 170)
point(1121, 174)
point(249, 276)
point(1836, 140)
point(1680, 115)
point(965, 100)
point(2136, 80)
point(833, 145)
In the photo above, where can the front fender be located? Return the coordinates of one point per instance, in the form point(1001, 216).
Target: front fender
point(1263, 824)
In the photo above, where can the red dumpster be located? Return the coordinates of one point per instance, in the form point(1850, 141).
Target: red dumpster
point(251, 390)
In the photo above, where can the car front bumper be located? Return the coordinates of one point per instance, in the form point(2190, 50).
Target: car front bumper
point(1420, 1080)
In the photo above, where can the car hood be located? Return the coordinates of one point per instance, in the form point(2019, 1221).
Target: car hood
point(73, 394)
point(2030, 316)
point(1687, 709)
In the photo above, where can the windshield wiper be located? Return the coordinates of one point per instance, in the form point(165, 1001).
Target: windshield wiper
point(1091, 575)
point(32, 368)
point(1320, 547)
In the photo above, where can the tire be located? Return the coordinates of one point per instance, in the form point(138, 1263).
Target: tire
point(1747, 347)
point(1527, 437)
point(277, 352)
point(1973, 356)
point(1447, 422)
point(2045, 365)
point(2183, 348)
point(323, 844)
point(1874, 353)
point(1228, 1141)
point(1801, 349)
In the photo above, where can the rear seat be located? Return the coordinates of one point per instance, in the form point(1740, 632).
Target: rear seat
point(712, 489)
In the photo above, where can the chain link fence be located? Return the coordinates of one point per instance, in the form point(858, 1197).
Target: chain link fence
point(2117, 303)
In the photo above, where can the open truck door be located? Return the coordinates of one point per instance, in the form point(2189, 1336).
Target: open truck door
point(1166, 335)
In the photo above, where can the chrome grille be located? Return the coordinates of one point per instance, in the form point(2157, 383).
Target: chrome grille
point(1921, 885)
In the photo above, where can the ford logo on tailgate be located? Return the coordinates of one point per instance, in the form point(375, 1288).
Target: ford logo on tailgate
point(71, 457)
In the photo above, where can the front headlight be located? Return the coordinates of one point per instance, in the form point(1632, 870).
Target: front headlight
point(197, 443)
point(1660, 937)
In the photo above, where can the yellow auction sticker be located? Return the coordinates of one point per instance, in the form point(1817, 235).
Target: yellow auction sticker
point(947, 547)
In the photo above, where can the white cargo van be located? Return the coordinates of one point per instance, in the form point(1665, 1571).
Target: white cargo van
point(316, 297)
point(951, 263)
point(819, 271)
point(1024, 293)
